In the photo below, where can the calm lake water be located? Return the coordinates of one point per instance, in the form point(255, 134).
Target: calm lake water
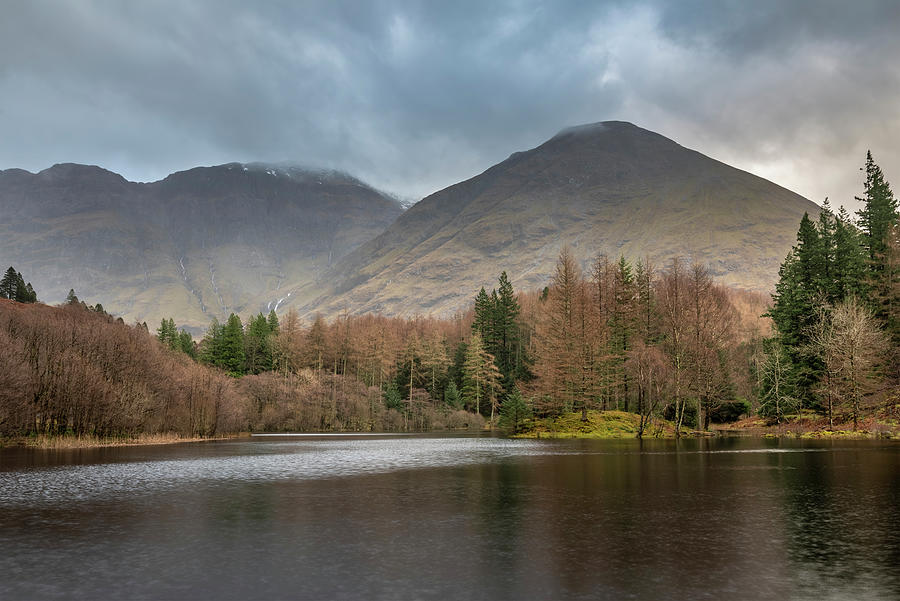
point(453, 517)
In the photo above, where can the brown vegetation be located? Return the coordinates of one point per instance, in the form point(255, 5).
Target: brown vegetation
point(69, 370)
point(70, 375)
point(655, 343)
point(637, 339)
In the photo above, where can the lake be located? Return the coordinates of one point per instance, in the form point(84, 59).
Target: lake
point(453, 517)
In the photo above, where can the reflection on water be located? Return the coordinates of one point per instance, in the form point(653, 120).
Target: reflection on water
point(453, 517)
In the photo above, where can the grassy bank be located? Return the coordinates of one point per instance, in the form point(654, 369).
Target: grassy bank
point(619, 424)
point(599, 424)
point(85, 442)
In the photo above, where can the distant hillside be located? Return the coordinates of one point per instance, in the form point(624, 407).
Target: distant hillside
point(608, 187)
point(196, 245)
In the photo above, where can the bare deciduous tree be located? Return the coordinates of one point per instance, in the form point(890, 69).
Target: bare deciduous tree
point(850, 343)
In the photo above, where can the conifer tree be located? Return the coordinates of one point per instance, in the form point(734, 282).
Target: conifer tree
point(562, 361)
point(211, 347)
point(876, 219)
point(798, 293)
point(8, 284)
point(492, 318)
point(887, 295)
point(849, 259)
point(832, 262)
point(13, 287)
point(879, 210)
point(452, 397)
point(481, 376)
point(810, 258)
point(409, 372)
point(645, 309)
point(272, 320)
point(21, 294)
point(392, 397)
point(514, 411)
point(456, 371)
point(167, 334)
point(186, 344)
point(827, 249)
point(315, 346)
point(621, 325)
point(258, 345)
point(510, 356)
point(434, 362)
point(233, 357)
point(484, 315)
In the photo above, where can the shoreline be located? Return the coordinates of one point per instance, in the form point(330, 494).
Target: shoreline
point(881, 426)
point(606, 425)
point(92, 442)
point(715, 433)
point(610, 425)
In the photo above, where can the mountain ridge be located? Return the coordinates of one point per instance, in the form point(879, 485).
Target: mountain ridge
point(194, 245)
point(204, 241)
point(600, 187)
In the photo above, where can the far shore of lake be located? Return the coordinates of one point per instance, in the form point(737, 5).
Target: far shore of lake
point(599, 425)
point(89, 442)
point(620, 424)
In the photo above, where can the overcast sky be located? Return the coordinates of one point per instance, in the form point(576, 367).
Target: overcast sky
point(415, 96)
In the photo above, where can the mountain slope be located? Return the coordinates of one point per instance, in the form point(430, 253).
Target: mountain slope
point(609, 187)
point(195, 245)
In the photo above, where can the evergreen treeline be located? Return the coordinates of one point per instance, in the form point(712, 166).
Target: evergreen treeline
point(170, 337)
point(229, 346)
point(837, 312)
point(14, 287)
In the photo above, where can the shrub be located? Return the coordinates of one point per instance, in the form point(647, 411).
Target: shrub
point(729, 411)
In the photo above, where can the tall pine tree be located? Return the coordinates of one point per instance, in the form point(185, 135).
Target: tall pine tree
point(13, 287)
point(211, 347)
point(233, 357)
point(879, 210)
point(167, 334)
point(8, 284)
point(481, 377)
point(258, 346)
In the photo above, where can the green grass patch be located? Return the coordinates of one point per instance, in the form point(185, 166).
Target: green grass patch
point(599, 424)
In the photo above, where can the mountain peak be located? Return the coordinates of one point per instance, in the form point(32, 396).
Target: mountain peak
point(609, 133)
point(78, 171)
point(609, 187)
point(282, 173)
point(600, 127)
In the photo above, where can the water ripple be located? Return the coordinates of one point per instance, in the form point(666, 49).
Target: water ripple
point(295, 460)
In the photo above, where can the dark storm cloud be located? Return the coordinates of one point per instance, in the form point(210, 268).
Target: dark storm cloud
point(414, 96)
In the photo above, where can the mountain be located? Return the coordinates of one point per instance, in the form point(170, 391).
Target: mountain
point(248, 237)
point(195, 245)
point(608, 187)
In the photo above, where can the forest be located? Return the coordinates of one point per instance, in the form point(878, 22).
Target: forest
point(662, 342)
